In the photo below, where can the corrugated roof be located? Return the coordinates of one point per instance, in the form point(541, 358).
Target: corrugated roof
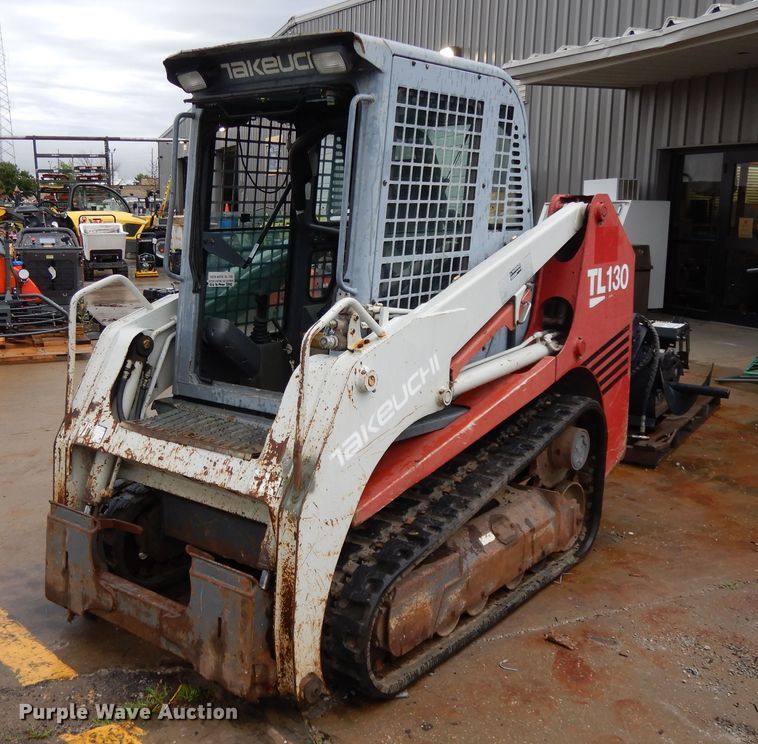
point(335, 8)
point(724, 38)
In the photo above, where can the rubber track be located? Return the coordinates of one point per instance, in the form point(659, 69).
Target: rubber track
point(383, 549)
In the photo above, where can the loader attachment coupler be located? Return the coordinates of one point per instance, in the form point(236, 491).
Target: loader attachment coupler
point(222, 630)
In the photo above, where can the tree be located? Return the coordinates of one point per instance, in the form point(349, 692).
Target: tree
point(67, 169)
point(138, 178)
point(11, 176)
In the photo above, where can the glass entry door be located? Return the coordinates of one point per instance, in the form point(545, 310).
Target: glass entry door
point(692, 279)
point(714, 236)
point(740, 235)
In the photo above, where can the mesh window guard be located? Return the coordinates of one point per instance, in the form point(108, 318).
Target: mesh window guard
point(250, 175)
point(431, 194)
point(507, 202)
point(331, 177)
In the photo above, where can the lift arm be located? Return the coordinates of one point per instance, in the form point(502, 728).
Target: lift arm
point(346, 410)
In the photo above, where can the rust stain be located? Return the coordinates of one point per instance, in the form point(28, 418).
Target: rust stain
point(630, 711)
point(573, 672)
point(532, 698)
point(699, 493)
point(69, 418)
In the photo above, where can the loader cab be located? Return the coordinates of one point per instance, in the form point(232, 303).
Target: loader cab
point(96, 197)
point(323, 166)
point(267, 215)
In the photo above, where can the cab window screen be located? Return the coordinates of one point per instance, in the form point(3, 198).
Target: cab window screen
point(250, 175)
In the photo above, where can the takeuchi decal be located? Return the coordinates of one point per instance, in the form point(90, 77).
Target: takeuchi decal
point(385, 412)
point(262, 66)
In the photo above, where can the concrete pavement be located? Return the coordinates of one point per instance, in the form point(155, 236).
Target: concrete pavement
point(661, 615)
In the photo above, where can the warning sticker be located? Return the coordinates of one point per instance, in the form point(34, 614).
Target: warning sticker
point(98, 433)
point(220, 279)
point(486, 538)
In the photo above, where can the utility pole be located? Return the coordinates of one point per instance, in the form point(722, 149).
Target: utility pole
point(153, 166)
point(7, 148)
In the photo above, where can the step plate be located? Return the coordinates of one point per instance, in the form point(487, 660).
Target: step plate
point(197, 426)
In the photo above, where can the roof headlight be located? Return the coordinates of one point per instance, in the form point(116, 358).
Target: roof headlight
point(191, 81)
point(451, 51)
point(329, 63)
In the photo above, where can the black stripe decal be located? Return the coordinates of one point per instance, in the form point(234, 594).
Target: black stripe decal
point(605, 346)
point(614, 381)
point(600, 372)
point(608, 375)
point(612, 356)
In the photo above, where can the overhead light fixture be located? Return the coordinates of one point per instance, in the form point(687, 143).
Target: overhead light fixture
point(191, 81)
point(329, 63)
point(451, 51)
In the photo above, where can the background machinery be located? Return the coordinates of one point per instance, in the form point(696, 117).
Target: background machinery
point(379, 414)
point(88, 199)
point(103, 246)
point(664, 409)
point(51, 255)
point(24, 310)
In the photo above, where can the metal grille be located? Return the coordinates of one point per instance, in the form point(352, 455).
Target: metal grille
point(331, 179)
point(250, 175)
point(507, 208)
point(320, 274)
point(431, 195)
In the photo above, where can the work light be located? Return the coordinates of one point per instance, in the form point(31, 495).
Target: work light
point(328, 63)
point(191, 81)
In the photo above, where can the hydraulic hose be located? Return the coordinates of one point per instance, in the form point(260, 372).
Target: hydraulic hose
point(126, 372)
point(655, 365)
point(144, 384)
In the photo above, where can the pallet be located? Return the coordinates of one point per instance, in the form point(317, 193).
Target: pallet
point(669, 434)
point(46, 347)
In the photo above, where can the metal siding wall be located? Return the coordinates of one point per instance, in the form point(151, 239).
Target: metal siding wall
point(749, 114)
point(711, 110)
point(575, 133)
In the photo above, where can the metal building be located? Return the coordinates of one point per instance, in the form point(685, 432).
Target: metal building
point(661, 91)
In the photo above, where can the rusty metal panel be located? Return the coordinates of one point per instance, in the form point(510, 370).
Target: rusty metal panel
point(223, 630)
point(213, 530)
point(197, 426)
point(492, 551)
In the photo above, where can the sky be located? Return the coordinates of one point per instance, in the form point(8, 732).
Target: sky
point(95, 67)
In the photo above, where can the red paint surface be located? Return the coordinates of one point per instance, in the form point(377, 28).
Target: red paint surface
point(406, 463)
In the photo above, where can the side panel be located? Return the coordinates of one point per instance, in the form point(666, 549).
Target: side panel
point(600, 336)
point(599, 340)
point(348, 429)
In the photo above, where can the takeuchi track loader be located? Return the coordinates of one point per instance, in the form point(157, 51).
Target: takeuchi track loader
point(379, 414)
